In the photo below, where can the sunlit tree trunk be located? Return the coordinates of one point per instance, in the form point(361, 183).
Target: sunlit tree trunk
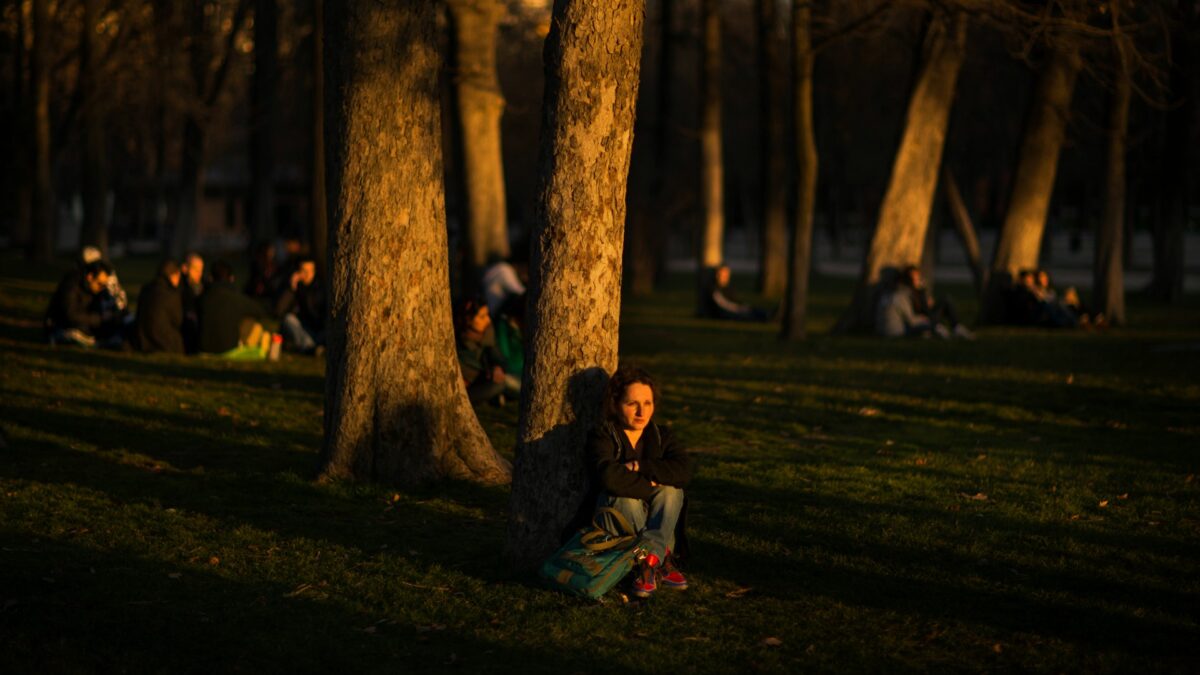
point(904, 214)
point(800, 261)
point(264, 119)
point(44, 221)
point(712, 169)
point(318, 204)
point(396, 408)
point(593, 58)
point(480, 106)
point(1021, 234)
point(1109, 273)
point(773, 254)
point(95, 165)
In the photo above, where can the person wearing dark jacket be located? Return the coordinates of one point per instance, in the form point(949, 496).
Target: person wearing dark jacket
point(301, 308)
point(160, 312)
point(74, 315)
point(228, 319)
point(640, 469)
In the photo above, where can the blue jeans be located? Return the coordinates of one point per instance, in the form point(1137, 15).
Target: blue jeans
point(304, 338)
point(654, 519)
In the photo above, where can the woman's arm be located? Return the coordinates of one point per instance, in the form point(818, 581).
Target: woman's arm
point(610, 472)
point(673, 468)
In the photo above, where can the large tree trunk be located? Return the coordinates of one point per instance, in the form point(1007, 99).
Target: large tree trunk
point(264, 119)
point(712, 170)
point(904, 214)
point(593, 58)
point(1020, 237)
point(22, 232)
point(44, 222)
point(318, 205)
point(396, 409)
point(796, 302)
point(773, 254)
point(95, 169)
point(1109, 275)
point(1177, 153)
point(480, 105)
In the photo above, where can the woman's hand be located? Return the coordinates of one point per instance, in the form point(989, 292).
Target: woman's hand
point(497, 374)
point(631, 466)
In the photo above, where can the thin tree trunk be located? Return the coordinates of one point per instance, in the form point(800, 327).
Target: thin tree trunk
point(264, 119)
point(712, 170)
point(904, 214)
point(95, 169)
point(1109, 283)
point(480, 106)
point(964, 228)
point(22, 233)
point(593, 58)
point(773, 253)
point(396, 408)
point(800, 262)
point(317, 200)
point(44, 222)
point(187, 197)
point(1020, 238)
point(1169, 228)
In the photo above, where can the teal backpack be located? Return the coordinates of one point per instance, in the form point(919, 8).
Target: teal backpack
point(595, 559)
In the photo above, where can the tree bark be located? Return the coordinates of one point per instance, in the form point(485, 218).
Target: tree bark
point(95, 165)
point(1020, 238)
point(773, 253)
point(593, 58)
point(800, 261)
point(480, 106)
point(1109, 274)
point(712, 170)
point(1177, 153)
point(904, 214)
point(44, 221)
point(318, 204)
point(396, 408)
point(264, 119)
point(22, 233)
point(965, 229)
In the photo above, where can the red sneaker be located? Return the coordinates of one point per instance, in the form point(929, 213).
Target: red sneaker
point(671, 576)
point(644, 584)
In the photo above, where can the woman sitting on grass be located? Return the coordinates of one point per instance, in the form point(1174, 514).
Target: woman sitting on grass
point(640, 469)
point(481, 362)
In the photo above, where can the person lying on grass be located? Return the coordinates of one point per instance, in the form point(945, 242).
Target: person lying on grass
point(640, 469)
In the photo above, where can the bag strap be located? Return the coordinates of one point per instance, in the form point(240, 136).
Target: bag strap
point(600, 539)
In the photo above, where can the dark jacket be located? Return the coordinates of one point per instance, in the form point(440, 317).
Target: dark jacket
point(73, 306)
point(478, 357)
point(661, 458)
point(306, 302)
point(160, 318)
point(222, 309)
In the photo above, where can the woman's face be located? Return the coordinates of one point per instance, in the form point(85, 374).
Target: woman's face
point(637, 406)
point(480, 321)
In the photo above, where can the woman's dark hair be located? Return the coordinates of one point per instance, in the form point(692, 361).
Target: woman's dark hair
point(467, 309)
point(618, 383)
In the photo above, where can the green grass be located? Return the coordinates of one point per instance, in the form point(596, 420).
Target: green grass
point(1027, 501)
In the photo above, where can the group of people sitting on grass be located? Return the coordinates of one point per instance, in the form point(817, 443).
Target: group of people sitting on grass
point(908, 309)
point(189, 308)
point(1032, 301)
point(489, 334)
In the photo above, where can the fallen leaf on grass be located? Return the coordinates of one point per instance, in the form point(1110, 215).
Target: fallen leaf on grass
point(214, 560)
point(868, 411)
point(224, 412)
point(977, 497)
point(921, 461)
point(695, 638)
point(1124, 496)
point(772, 642)
point(1104, 503)
point(998, 648)
point(738, 592)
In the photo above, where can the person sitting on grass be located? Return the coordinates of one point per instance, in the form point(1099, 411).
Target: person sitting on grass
point(717, 303)
point(160, 312)
point(641, 470)
point(191, 287)
point(76, 315)
point(909, 310)
point(230, 322)
point(1066, 311)
point(480, 360)
point(301, 308)
point(113, 297)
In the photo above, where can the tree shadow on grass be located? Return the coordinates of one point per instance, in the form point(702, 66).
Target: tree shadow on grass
point(66, 608)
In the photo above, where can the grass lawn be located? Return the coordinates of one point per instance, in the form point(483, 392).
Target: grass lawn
point(1028, 501)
